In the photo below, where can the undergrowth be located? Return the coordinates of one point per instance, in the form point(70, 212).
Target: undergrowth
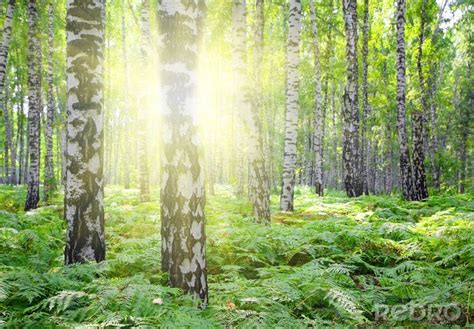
point(333, 263)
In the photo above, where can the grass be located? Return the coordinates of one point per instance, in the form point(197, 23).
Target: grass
point(332, 263)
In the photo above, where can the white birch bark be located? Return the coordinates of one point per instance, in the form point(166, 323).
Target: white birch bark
point(351, 155)
point(292, 107)
point(4, 47)
point(49, 180)
point(318, 110)
point(405, 163)
point(183, 248)
point(6, 37)
point(145, 102)
point(84, 210)
point(249, 104)
point(34, 109)
point(419, 136)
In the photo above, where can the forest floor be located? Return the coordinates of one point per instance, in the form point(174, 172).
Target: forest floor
point(335, 262)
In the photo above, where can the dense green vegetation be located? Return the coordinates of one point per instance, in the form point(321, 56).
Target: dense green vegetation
point(329, 263)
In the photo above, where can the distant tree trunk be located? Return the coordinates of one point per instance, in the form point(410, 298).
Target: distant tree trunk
point(6, 36)
point(405, 163)
point(435, 167)
point(351, 151)
point(183, 248)
point(419, 177)
point(365, 100)
point(465, 119)
point(84, 209)
point(9, 157)
point(63, 136)
point(49, 179)
point(259, 177)
point(318, 111)
point(126, 110)
point(20, 135)
point(432, 83)
point(143, 111)
point(34, 111)
point(249, 105)
point(292, 108)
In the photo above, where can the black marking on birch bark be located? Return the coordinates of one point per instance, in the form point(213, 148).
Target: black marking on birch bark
point(182, 185)
point(419, 177)
point(34, 110)
point(49, 179)
point(405, 162)
point(351, 155)
point(84, 211)
point(292, 108)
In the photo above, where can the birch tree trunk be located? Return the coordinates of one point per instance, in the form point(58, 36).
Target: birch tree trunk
point(183, 248)
point(465, 119)
point(21, 134)
point(6, 37)
point(49, 179)
point(351, 152)
point(258, 172)
point(34, 110)
point(84, 210)
point(145, 102)
point(292, 108)
point(432, 83)
point(8, 144)
point(318, 111)
point(126, 144)
point(419, 177)
point(435, 167)
point(405, 163)
point(365, 100)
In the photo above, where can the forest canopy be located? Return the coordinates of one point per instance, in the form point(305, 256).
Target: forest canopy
point(236, 163)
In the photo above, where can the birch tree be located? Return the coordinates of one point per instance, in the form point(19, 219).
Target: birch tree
point(4, 47)
point(34, 107)
point(435, 68)
point(6, 37)
point(126, 104)
point(84, 192)
point(292, 108)
point(405, 163)
point(183, 248)
point(49, 180)
point(419, 177)
point(145, 102)
point(365, 100)
point(351, 152)
point(249, 104)
point(318, 111)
